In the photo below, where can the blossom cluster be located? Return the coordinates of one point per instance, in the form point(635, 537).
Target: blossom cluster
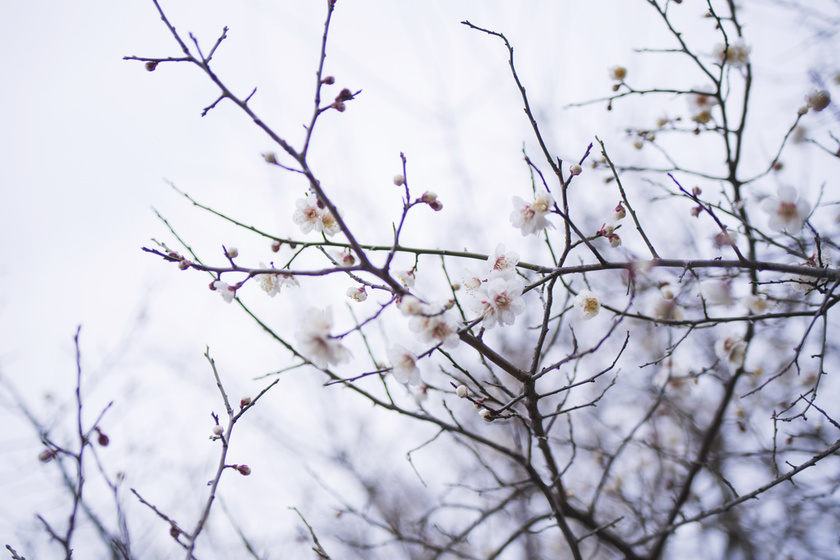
point(311, 214)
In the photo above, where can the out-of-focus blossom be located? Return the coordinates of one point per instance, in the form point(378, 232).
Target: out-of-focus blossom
point(588, 304)
point(316, 343)
point(787, 212)
point(700, 106)
point(818, 99)
point(410, 305)
point(732, 350)
point(500, 300)
point(530, 218)
point(756, 303)
point(717, 291)
point(224, 290)
point(438, 329)
point(736, 54)
point(406, 277)
point(666, 308)
point(405, 365)
point(358, 294)
point(618, 73)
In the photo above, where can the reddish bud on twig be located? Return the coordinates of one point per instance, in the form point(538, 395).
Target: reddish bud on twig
point(244, 402)
point(329, 80)
point(47, 455)
point(244, 470)
point(275, 246)
point(102, 439)
point(151, 65)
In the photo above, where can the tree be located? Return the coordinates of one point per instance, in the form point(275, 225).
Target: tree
point(652, 378)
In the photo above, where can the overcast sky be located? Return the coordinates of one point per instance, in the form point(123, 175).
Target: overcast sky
point(89, 143)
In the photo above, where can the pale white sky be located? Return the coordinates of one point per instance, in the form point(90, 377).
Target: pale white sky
point(88, 142)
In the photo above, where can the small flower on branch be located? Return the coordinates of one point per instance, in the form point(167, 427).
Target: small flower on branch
point(503, 262)
point(737, 54)
point(500, 300)
point(439, 329)
point(404, 365)
point(406, 277)
point(316, 342)
point(311, 214)
point(530, 218)
point(272, 283)
point(787, 212)
point(226, 291)
point(588, 304)
point(357, 294)
point(732, 350)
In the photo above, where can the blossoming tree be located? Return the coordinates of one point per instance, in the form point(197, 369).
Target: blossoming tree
point(655, 379)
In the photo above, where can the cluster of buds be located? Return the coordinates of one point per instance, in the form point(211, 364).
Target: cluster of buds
point(608, 231)
point(431, 199)
point(344, 95)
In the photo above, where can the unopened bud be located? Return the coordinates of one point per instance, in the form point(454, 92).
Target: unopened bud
point(339, 106)
point(269, 157)
point(437, 206)
point(329, 80)
point(344, 95)
point(462, 391)
point(399, 180)
point(802, 110)
point(245, 401)
point(486, 414)
point(615, 240)
point(46, 455)
point(619, 213)
point(184, 264)
point(218, 430)
point(428, 197)
point(151, 65)
point(696, 191)
point(232, 253)
point(102, 439)
point(618, 73)
point(244, 470)
point(818, 99)
point(275, 246)
point(696, 211)
point(575, 169)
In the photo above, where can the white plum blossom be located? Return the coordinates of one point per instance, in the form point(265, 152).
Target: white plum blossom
point(405, 365)
point(700, 105)
point(357, 294)
point(316, 343)
point(666, 308)
point(410, 305)
point(588, 303)
point(732, 350)
point(439, 329)
point(787, 212)
point(224, 290)
point(756, 303)
point(311, 214)
point(503, 262)
point(272, 283)
point(500, 300)
point(737, 53)
point(407, 277)
point(530, 218)
point(717, 292)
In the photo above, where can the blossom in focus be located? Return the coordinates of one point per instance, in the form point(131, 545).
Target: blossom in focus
point(405, 365)
point(503, 262)
point(311, 214)
point(224, 290)
point(316, 343)
point(787, 212)
point(588, 303)
point(530, 218)
point(272, 283)
point(500, 300)
point(439, 329)
point(736, 54)
point(732, 350)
